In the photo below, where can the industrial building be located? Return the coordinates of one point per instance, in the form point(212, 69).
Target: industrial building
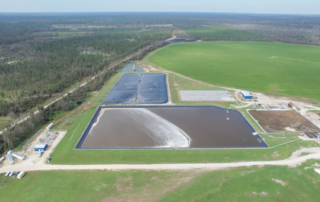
point(246, 95)
point(40, 147)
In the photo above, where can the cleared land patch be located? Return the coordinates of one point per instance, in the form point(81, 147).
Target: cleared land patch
point(283, 121)
point(247, 65)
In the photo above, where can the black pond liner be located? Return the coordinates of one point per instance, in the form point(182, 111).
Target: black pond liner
point(95, 116)
point(181, 40)
point(134, 88)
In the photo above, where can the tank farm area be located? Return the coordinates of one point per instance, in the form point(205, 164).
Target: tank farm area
point(137, 114)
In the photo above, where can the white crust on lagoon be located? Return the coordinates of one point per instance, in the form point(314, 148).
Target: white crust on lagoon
point(164, 133)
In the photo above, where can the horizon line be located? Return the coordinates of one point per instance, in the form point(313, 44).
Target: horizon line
point(200, 12)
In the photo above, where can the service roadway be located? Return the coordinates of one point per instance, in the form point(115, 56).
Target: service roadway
point(293, 161)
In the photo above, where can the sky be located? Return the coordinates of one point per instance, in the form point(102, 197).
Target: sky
point(224, 6)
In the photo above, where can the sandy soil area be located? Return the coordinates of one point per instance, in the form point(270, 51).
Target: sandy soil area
point(32, 158)
point(286, 121)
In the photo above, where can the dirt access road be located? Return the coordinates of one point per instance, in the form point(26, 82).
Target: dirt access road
point(293, 161)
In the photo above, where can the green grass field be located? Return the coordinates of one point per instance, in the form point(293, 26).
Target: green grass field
point(277, 139)
point(221, 32)
point(275, 68)
point(87, 185)
point(239, 184)
point(252, 184)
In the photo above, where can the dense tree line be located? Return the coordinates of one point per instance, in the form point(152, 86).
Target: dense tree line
point(63, 64)
point(16, 28)
point(16, 107)
point(15, 135)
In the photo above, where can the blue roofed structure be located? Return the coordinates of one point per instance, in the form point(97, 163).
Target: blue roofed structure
point(40, 147)
point(246, 95)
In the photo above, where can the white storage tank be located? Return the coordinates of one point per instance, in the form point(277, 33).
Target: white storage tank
point(1, 159)
point(10, 157)
point(21, 174)
point(50, 126)
point(18, 156)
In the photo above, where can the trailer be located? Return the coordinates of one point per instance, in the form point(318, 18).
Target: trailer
point(10, 157)
point(18, 156)
point(1, 159)
point(21, 174)
point(50, 126)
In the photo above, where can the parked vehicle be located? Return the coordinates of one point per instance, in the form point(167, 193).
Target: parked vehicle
point(11, 174)
point(7, 174)
point(40, 154)
point(49, 159)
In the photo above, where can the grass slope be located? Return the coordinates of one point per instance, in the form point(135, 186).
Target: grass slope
point(247, 65)
point(252, 184)
point(86, 186)
point(178, 83)
point(221, 32)
point(239, 184)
